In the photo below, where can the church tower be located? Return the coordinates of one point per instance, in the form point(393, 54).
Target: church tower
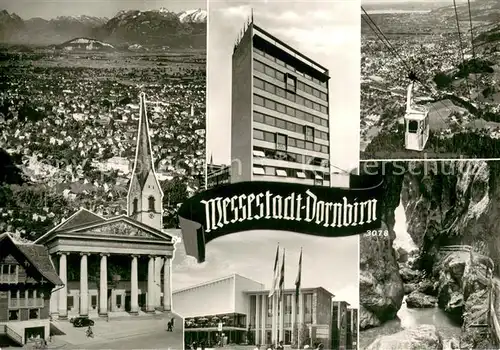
point(145, 197)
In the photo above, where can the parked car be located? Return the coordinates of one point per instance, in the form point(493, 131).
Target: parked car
point(82, 322)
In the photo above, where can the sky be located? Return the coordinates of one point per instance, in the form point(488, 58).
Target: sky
point(327, 32)
point(100, 8)
point(331, 263)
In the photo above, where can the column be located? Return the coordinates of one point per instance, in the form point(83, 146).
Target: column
point(282, 318)
point(167, 292)
point(151, 285)
point(84, 286)
point(294, 316)
point(264, 318)
point(273, 319)
point(257, 319)
point(63, 292)
point(54, 302)
point(103, 286)
point(134, 287)
point(157, 291)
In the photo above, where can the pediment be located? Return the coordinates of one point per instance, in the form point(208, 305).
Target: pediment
point(122, 227)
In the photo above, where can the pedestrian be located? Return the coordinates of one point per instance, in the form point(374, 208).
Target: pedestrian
point(280, 346)
point(257, 347)
point(202, 344)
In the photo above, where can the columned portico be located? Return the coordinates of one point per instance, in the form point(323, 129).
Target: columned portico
point(103, 285)
point(134, 287)
point(63, 292)
point(114, 267)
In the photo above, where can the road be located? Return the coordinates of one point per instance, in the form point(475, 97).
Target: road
point(163, 340)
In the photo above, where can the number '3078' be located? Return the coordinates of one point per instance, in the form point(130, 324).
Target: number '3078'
point(376, 233)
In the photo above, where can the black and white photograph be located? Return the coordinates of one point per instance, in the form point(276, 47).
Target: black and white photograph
point(283, 92)
point(266, 289)
point(102, 137)
point(282, 87)
point(429, 79)
point(429, 276)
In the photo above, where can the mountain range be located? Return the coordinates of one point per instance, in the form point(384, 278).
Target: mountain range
point(162, 27)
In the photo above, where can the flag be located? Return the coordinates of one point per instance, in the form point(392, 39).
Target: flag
point(282, 278)
point(275, 273)
point(297, 280)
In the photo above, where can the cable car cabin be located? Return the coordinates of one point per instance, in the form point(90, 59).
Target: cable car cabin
point(416, 124)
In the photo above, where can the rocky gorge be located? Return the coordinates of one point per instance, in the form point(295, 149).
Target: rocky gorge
point(445, 203)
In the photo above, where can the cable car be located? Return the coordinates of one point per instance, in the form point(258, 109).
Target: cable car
point(416, 123)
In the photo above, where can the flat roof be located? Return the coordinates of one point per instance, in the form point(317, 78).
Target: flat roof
point(233, 276)
point(288, 290)
point(311, 62)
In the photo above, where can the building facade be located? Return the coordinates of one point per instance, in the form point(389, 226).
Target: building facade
point(352, 329)
point(216, 310)
point(27, 278)
point(280, 113)
point(312, 317)
point(119, 265)
point(238, 310)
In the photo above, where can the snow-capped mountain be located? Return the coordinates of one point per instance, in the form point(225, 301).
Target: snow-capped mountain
point(161, 27)
point(193, 16)
point(87, 20)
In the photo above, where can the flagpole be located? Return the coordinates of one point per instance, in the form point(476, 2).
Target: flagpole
point(299, 302)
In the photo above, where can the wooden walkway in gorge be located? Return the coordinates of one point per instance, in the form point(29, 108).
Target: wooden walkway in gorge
point(492, 327)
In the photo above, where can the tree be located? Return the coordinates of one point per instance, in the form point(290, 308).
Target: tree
point(175, 193)
point(442, 80)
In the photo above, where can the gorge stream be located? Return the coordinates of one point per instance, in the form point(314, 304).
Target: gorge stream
point(409, 317)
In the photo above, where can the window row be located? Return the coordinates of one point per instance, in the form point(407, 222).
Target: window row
point(285, 141)
point(9, 273)
point(290, 96)
point(262, 152)
point(293, 112)
point(151, 204)
point(15, 315)
point(291, 173)
point(26, 298)
point(288, 66)
point(308, 131)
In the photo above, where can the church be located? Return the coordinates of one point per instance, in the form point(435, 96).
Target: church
point(117, 266)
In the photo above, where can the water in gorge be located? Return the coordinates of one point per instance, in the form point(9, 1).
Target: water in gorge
point(407, 317)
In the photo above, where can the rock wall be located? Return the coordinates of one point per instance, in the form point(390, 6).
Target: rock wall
point(446, 203)
point(381, 286)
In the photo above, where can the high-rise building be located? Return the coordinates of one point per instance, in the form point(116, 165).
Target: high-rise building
point(280, 113)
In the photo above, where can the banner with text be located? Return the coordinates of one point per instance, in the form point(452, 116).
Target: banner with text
point(257, 205)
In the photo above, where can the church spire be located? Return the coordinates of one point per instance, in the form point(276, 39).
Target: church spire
point(143, 163)
point(145, 196)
